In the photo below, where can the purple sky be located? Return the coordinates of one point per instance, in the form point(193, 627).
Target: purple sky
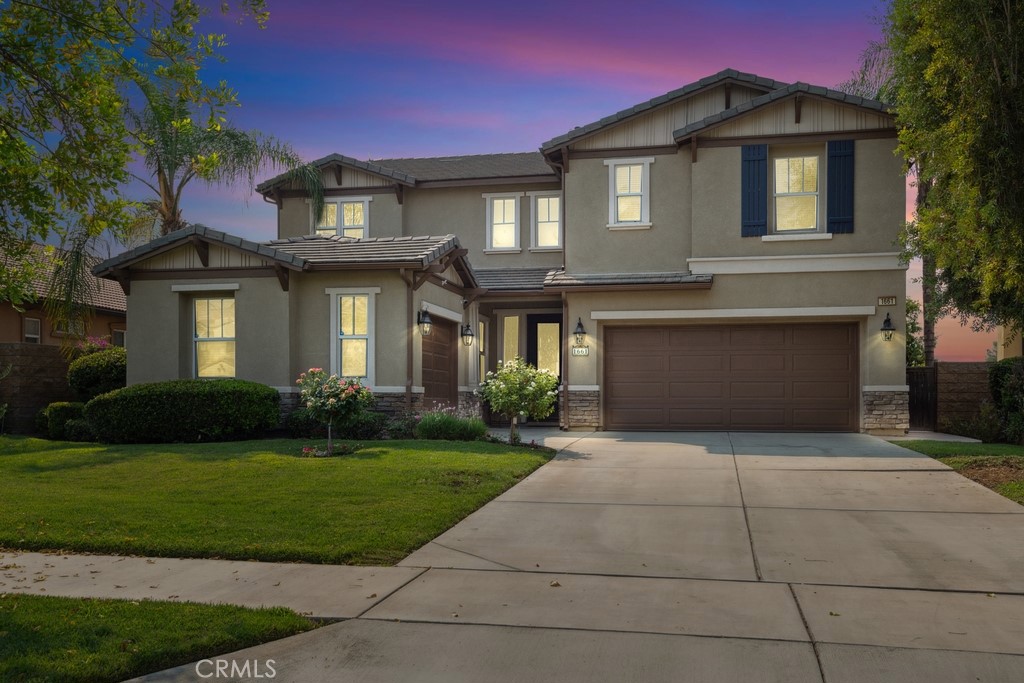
point(375, 79)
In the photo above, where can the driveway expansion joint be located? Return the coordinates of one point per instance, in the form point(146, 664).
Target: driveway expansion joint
point(746, 517)
point(810, 633)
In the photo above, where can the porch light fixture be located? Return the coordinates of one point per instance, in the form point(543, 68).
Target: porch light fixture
point(425, 323)
point(887, 328)
point(581, 334)
point(467, 335)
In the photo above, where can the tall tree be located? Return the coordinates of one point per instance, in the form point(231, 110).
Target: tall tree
point(178, 149)
point(69, 69)
point(960, 97)
point(875, 78)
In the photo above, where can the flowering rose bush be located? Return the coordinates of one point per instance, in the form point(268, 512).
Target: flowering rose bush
point(336, 402)
point(516, 389)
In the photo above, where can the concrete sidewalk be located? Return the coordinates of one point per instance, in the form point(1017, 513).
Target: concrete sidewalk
point(705, 557)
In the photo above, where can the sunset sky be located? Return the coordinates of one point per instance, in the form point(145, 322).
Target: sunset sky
point(381, 79)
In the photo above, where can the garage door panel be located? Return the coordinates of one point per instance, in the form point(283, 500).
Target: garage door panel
point(705, 390)
point(758, 390)
point(800, 376)
point(695, 363)
point(697, 337)
point(823, 390)
point(822, 362)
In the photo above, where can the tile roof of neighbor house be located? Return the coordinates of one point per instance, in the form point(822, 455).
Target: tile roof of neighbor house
point(689, 89)
point(105, 295)
point(414, 170)
point(559, 279)
point(513, 279)
point(774, 96)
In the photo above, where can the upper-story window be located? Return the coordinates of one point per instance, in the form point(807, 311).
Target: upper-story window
point(629, 193)
point(796, 193)
point(502, 221)
point(546, 232)
point(346, 217)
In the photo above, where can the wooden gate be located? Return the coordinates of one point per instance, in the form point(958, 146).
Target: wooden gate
point(924, 397)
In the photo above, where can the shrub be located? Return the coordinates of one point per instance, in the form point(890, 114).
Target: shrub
point(41, 423)
point(518, 388)
point(336, 402)
point(402, 426)
point(369, 425)
point(301, 424)
point(449, 427)
point(78, 429)
point(985, 425)
point(186, 410)
point(57, 415)
point(97, 373)
point(93, 345)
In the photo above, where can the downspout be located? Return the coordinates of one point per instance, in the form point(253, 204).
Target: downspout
point(409, 326)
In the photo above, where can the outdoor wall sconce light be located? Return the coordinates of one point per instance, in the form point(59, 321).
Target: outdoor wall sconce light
point(887, 328)
point(467, 335)
point(425, 323)
point(581, 334)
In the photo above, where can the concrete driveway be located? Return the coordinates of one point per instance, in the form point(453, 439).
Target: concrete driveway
point(701, 557)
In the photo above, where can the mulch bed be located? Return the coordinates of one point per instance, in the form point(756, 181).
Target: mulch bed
point(993, 475)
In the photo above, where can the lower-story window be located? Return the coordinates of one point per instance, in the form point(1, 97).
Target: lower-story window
point(214, 337)
point(352, 339)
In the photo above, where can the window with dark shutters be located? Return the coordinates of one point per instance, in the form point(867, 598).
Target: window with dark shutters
point(840, 186)
point(755, 190)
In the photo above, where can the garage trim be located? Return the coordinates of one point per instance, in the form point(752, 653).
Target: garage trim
point(691, 314)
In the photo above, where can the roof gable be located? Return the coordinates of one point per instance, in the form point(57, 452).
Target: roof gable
point(724, 76)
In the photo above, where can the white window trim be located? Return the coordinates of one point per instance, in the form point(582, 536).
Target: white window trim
point(534, 196)
point(645, 193)
point(371, 329)
point(488, 197)
point(38, 336)
point(223, 287)
point(339, 229)
point(774, 233)
point(196, 340)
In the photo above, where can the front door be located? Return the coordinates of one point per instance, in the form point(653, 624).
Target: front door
point(440, 365)
point(544, 346)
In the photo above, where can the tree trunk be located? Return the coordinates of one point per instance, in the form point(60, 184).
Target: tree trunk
point(513, 437)
point(169, 224)
point(927, 285)
point(330, 441)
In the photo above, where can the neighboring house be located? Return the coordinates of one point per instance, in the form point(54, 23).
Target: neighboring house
point(33, 326)
point(726, 253)
point(1008, 343)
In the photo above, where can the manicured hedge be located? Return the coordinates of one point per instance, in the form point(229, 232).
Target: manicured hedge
point(184, 410)
point(98, 373)
point(1006, 381)
point(57, 416)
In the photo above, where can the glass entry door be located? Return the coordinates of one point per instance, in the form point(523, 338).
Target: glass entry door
point(544, 346)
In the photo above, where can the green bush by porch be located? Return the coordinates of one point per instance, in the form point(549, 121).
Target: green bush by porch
point(248, 500)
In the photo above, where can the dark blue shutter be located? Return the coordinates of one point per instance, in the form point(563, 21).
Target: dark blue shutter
point(840, 186)
point(755, 190)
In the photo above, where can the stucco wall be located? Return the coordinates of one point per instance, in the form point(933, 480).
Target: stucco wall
point(12, 325)
point(879, 204)
point(591, 247)
point(385, 220)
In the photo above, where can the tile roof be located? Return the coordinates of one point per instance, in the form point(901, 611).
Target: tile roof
point(317, 250)
point(414, 170)
point(774, 96)
point(210, 235)
point(513, 279)
point(689, 89)
point(559, 279)
point(472, 167)
point(103, 294)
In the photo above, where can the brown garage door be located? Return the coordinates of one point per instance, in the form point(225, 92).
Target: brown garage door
point(799, 377)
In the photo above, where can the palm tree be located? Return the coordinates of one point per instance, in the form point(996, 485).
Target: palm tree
point(177, 150)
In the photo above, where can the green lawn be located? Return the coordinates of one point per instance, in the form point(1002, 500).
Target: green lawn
point(247, 499)
point(998, 466)
point(45, 638)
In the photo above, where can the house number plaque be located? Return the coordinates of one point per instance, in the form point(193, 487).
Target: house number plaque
point(581, 350)
point(886, 301)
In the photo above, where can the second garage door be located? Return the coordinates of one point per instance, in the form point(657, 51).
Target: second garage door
point(799, 377)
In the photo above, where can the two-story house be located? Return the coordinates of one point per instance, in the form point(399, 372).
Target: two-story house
point(721, 257)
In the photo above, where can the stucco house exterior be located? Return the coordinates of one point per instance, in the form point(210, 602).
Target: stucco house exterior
point(720, 257)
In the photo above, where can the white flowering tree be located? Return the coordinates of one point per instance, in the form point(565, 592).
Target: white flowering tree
point(333, 401)
point(518, 389)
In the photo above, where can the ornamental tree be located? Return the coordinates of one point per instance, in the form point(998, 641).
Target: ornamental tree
point(333, 401)
point(517, 389)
